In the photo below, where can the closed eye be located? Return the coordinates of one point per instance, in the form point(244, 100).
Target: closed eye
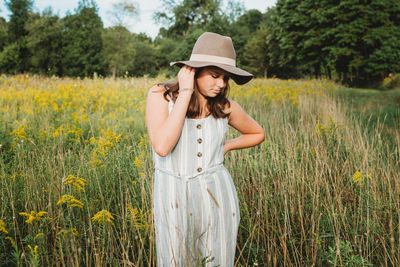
point(215, 76)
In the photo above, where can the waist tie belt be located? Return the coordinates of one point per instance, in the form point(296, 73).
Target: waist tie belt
point(190, 177)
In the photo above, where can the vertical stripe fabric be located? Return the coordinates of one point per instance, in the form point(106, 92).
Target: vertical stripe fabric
point(196, 209)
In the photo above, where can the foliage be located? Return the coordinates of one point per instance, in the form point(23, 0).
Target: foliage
point(3, 33)
point(255, 53)
point(346, 256)
point(44, 40)
point(9, 59)
point(16, 34)
point(19, 15)
point(82, 43)
point(145, 60)
point(391, 82)
point(354, 42)
point(118, 49)
point(182, 17)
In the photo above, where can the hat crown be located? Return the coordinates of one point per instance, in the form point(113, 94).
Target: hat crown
point(213, 44)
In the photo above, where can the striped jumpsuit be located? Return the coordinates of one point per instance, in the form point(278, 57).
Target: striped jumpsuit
point(196, 211)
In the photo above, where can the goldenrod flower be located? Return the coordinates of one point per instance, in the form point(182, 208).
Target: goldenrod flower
point(103, 217)
point(77, 182)
point(34, 251)
point(359, 177)
point(3, 227)
point(12, 242)
point(138, 163)
point(38, 235)
point(33, 216)
point(144, 140)
point(68, 231)
point(138, 217)
point(356, 177)
point(103, 144)
point(70, 201)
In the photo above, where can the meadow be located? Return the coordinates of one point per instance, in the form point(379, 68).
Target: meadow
point(76, 174)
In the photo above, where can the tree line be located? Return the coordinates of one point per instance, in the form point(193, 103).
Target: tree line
point(356, 42)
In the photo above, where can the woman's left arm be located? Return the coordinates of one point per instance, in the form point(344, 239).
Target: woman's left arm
point(252, 133)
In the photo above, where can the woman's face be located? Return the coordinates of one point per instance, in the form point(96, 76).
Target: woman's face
point(211, 81)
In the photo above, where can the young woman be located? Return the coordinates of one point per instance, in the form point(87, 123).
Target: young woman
point(196, 210)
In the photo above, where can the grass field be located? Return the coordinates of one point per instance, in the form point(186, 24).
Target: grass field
point(76, 174)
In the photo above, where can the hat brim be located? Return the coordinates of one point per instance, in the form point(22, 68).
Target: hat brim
point(238, 75)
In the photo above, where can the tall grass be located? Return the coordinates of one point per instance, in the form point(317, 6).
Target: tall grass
point(321, 190)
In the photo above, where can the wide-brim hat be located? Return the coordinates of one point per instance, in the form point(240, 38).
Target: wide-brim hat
point(212, 49)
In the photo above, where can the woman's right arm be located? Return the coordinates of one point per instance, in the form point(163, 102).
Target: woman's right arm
point(165, 129)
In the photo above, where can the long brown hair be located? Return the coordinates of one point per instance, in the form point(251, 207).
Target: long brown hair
point(215, 105)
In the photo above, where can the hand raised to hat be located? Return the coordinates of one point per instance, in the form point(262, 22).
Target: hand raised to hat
point(186, 77)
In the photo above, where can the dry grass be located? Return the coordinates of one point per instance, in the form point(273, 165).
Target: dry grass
point(300, 205)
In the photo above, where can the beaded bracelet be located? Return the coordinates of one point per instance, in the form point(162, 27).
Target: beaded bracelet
point(185, 89)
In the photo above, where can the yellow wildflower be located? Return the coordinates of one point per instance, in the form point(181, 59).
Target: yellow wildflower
point(138, 163)
point(34, 251)
point(38, 235)
point(138, 217)
point(103, 217)
point(112, 137)
point(359, 177)
point(19, 133)
point(12, 242)
point(77, 182)
point(70, 201)
point(57, 132)
point(68, 231)
point(33, 216)
point(3, 227)
point(77, 132)
point(143, 141)
point(12, 177)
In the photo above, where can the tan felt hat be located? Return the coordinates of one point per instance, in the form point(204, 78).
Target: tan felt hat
point(212, 49)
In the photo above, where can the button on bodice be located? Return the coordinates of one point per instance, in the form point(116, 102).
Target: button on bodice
point(199, 147)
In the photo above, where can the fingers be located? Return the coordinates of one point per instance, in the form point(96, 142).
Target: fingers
point(186, 77)
point(186, 70)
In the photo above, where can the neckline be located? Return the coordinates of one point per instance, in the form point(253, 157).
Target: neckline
point(199, 119)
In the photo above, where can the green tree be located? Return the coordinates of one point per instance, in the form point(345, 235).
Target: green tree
point(350, 39)
point(163, 49)
point(20, 10)
point(44, 40)
point(19, 15)
point(145, 60)
point(243, 30)
point(9, 59)
point(182, 17)
point(82, 42)
point(118, 49)
point(3, 33)
point(255, 53)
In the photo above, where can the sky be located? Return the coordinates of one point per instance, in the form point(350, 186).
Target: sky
point(143, 23)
